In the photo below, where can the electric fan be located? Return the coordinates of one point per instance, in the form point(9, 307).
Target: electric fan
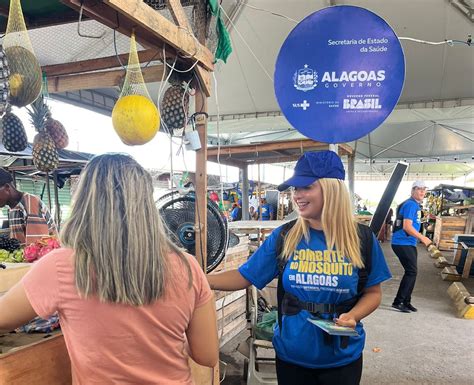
point(178, 214)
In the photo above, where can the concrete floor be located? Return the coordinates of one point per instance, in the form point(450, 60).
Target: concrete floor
point(431, 346)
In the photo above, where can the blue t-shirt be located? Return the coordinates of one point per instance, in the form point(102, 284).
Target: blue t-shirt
point(313, 274)
point(236, 214)
point(409, 210)
point(267, 211)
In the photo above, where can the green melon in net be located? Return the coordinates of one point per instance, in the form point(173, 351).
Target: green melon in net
point(25, 76)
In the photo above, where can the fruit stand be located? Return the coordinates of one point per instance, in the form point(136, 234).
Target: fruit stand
point(161, 40)
point(450, 212)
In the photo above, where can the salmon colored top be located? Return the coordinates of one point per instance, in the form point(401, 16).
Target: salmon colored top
point(114, 343)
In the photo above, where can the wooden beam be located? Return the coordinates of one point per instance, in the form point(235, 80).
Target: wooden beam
point(153, 22)
point(228, 161)
point(345, 149)
point(301, 144)
point(99, 63)
point(102, 79)
point(205, 79)
point(179, 16)
point(149, 35)
point(277, 159)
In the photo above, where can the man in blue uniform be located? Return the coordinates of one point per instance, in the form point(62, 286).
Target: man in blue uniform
point(404, 239)
point(267, 211)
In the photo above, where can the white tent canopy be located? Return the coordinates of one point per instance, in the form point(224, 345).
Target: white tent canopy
point(433, 122)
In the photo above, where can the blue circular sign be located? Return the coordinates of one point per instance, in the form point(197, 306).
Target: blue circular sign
point(339, 74)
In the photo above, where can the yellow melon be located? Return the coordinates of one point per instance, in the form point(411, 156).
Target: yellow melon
point(135, 119)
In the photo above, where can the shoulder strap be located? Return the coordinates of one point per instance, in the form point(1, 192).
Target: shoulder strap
point(281, 266)
point(280, 243)
point(366, 244)
point(398, 217)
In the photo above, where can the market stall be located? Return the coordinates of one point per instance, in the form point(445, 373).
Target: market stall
point(450, 211)
point(163, 39)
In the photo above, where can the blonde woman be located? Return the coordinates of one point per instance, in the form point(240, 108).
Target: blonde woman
point(132, 306)
point(328, 267)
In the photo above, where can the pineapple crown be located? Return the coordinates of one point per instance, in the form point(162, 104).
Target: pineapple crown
point(39, 112)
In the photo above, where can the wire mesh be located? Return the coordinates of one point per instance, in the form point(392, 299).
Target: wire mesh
point(196, 14)
point(134, 84)
point(16, 34)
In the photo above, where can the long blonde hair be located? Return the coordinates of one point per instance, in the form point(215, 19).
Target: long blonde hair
point(339, 226)
point(121, 250)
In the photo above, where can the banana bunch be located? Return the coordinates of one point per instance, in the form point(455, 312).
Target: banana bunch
point(11, 256)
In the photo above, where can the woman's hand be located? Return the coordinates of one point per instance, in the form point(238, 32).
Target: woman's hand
point(346, 319)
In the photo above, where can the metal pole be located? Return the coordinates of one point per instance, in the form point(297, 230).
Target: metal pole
point(56, 198)
point(245, 193)
point(350, 175)
point(259, 197)
point(48, 190)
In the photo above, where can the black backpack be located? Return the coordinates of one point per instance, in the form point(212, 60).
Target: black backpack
point(398, 225)
point(366, 244)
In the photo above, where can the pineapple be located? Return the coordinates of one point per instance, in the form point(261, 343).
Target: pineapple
point(175, 105)
point(45, 154)
point(14, 135)
point(57, 131)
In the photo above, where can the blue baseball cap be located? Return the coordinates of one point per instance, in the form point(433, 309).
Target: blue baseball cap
point(313, 166)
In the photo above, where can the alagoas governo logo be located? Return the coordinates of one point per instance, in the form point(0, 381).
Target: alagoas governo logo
point(306, 79)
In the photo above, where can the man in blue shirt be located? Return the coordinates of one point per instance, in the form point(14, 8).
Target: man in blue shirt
point(267, 211)
point(406, 234)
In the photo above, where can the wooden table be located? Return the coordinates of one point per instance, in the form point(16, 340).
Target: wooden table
point(261, 228)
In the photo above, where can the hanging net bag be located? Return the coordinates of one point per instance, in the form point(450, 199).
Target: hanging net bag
point(135, 117)
point(25, 71)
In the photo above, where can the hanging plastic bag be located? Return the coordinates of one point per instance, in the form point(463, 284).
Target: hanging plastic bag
point(25, 71)
point(135, 117)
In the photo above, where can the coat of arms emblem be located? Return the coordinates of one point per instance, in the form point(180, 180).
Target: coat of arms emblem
point(305, 79)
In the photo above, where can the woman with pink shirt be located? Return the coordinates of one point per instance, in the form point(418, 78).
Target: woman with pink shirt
point(132, 306)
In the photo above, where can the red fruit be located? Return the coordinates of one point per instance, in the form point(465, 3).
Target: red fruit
point(45, 250)
point(31, 252)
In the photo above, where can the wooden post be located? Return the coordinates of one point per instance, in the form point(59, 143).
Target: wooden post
point(201, 182)
point(201, 127)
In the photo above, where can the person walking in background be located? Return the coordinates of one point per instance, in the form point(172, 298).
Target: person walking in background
point(328, 267)
point(132, 306)
point(29, 218)
point(252, 213)
point(406, 234)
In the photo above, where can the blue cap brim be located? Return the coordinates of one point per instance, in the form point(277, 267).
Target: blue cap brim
point(297, 181)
